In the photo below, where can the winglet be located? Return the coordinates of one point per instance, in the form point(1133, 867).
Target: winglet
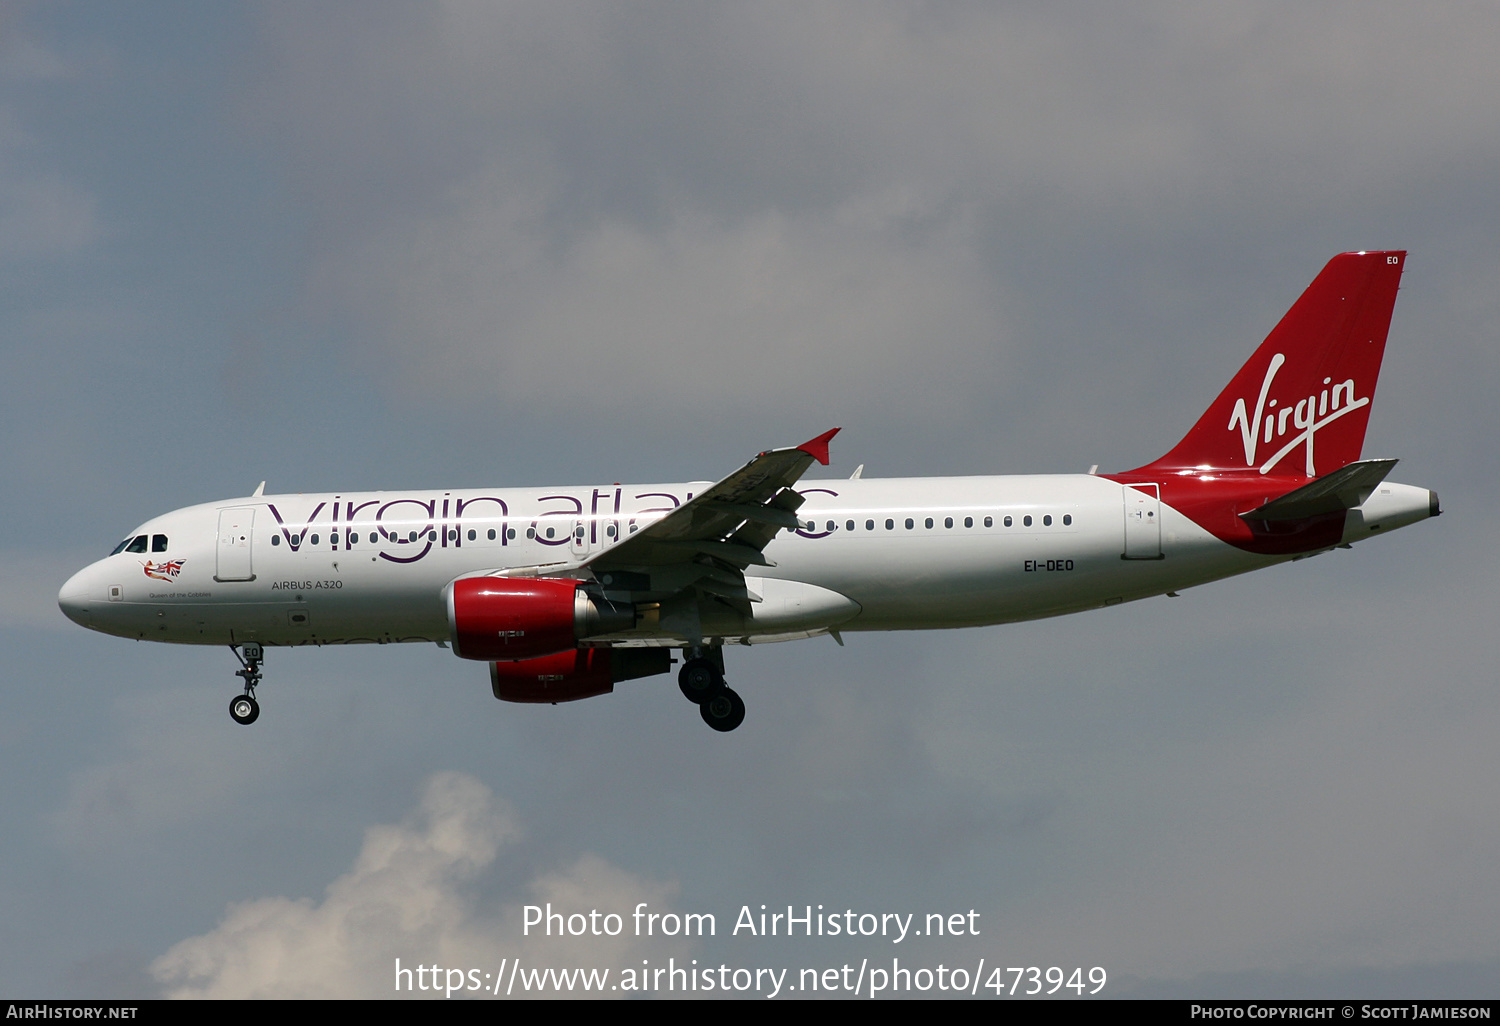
point(817, 448)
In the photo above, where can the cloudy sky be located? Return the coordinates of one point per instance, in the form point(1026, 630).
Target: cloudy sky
point(355, 246)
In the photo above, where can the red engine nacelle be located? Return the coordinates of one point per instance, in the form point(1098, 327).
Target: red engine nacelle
point(569, 676)
point(510, 618)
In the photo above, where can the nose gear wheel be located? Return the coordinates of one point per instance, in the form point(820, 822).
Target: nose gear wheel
point(244, 708)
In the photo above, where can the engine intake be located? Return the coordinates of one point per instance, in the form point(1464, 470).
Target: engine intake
point(513, 618)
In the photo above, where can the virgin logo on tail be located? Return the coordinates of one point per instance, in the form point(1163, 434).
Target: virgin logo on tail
point(1308, 415)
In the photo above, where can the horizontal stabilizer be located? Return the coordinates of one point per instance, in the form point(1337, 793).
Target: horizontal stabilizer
point(1345, 488)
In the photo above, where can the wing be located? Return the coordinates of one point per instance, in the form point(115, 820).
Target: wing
point(707, 542)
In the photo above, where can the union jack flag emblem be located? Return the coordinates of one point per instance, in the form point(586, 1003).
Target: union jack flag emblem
point(167, 571)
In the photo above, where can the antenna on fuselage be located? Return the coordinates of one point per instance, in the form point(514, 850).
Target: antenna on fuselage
point(857, 472)
point(259, 490)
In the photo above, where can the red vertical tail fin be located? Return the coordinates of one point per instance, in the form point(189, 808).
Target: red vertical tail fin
point(1299, 407)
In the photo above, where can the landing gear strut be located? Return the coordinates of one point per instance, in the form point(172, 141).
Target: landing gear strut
point(701, 681)
point(244, 708)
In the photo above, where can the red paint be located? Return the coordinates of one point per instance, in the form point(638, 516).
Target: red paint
point(1300, 404)
point(510, 618)
point(1215, 504)
point(817, 448)
point(561, 677)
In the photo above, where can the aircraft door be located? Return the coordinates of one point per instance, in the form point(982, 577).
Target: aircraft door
point(1142, 521)
point(236, 533)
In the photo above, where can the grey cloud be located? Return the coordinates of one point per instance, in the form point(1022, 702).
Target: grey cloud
point(42, 213)
point(1029, 237)
point(713, 315)
point(1267, 785)
point(515, 201)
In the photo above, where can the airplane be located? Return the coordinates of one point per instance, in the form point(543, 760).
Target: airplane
point(566, 592)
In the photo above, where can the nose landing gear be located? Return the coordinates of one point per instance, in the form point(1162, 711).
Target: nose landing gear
point(244, 708)
point(701, 681)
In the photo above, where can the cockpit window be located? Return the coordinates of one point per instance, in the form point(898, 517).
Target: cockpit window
point(158, 543)
point(137, 544)
point(120, 547)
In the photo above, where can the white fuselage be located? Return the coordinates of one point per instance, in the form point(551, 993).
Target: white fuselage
point(892, 554)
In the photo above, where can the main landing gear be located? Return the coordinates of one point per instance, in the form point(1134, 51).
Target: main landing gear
point(244, 708)
point(701, 681)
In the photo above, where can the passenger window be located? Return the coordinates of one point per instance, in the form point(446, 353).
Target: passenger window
point(831, 525)
point(137, 544)
point(551, 532)
point(531, 532)
point(1026, 520)
point(374, 537)
point(1067, 518)
point(453, 535)
point(492, 534)
point(910, 523)
point(890, 525)
point(510, 534)
point(475, 534)
point(849, 526)
point(413, 536)
point(1008, 521)
point(315, 539)
point(610, 531)
point(990, 521)
point(869, 525)
point(432, 536)
point(968, 521)
point(929, 523)
point(1047, 520)
point(275, 539)
point(947, 521)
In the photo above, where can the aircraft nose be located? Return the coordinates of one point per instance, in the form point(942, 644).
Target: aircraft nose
point(73, 599)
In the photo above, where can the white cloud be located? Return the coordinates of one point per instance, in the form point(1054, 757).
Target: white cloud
point(410, 896)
